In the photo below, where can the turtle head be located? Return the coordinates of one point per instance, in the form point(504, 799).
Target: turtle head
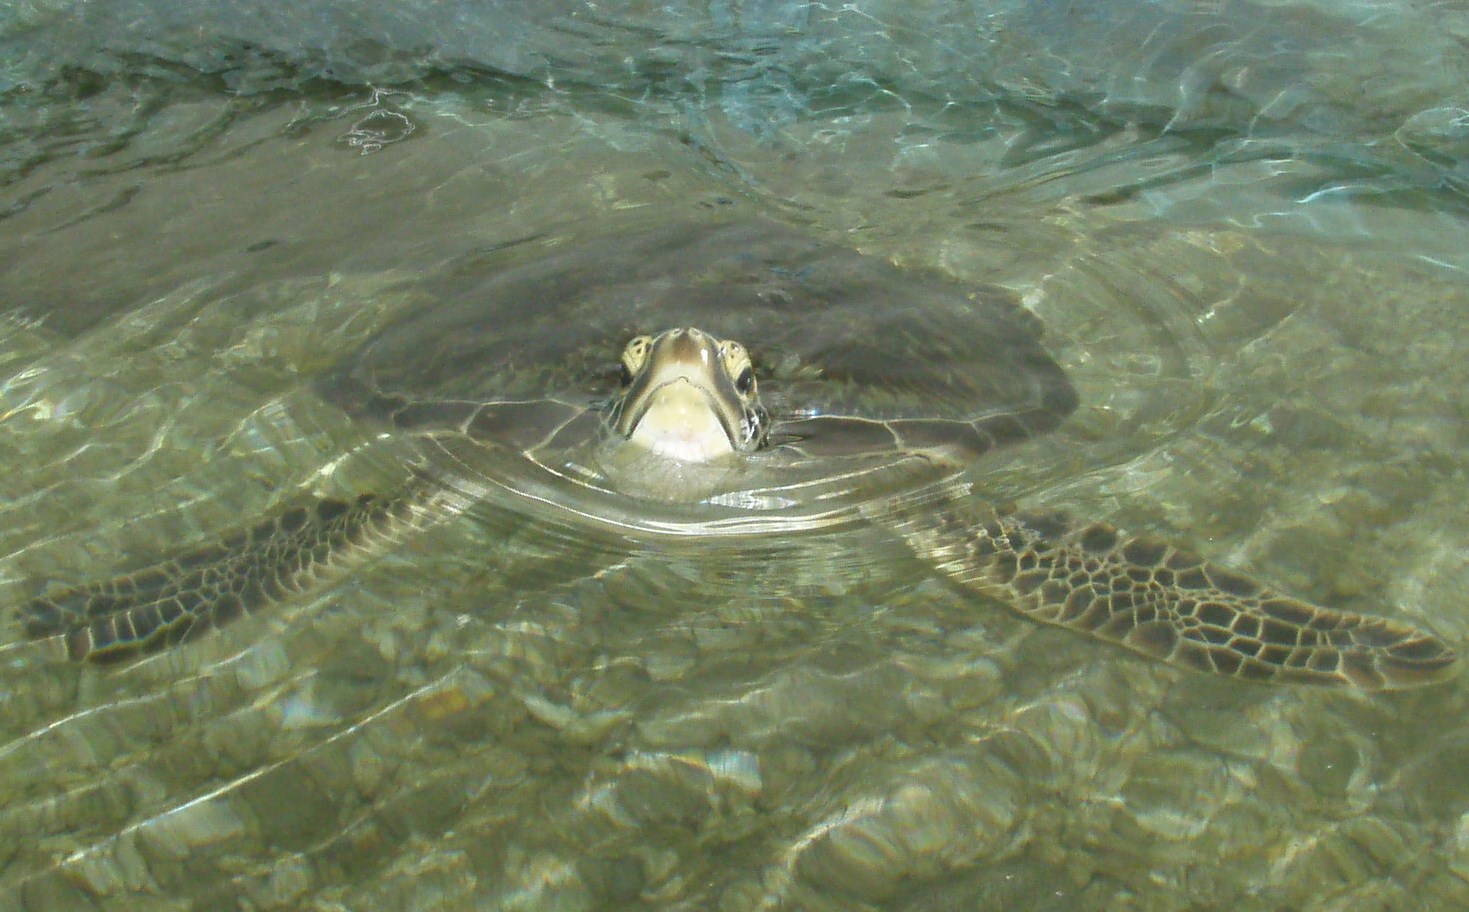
point(688, 396)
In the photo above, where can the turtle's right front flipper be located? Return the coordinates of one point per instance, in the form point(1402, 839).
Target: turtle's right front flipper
point(1165, 602)
point(169, 601)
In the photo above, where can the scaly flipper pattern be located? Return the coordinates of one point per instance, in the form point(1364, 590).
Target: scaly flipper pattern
point(1166, 602)
point(167, 602)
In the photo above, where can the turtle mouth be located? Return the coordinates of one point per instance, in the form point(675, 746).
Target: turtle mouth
point(681, 421)
point(682, 404)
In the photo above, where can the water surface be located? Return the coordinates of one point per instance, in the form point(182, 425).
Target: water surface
point(1242, 225)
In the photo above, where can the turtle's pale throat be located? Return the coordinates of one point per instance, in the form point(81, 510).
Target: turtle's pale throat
point(679, 422)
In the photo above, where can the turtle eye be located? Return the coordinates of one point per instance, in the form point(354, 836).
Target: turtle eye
point(737, 364)
point(634, 356)
point(745, 382)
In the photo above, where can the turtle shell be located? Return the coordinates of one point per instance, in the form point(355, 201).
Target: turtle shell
point(855, 355)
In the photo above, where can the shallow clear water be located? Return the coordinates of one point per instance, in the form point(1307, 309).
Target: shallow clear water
point(1242, 225)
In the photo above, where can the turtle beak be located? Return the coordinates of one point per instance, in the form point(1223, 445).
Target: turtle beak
point(682, 404)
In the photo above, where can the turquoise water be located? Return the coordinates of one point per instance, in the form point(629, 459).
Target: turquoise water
point(1242, 225)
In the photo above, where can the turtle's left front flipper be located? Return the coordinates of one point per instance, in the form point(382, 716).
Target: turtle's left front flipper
point(1165, 602)
point(171, 600)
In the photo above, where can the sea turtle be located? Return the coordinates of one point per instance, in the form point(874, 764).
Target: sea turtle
point(823, 386)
